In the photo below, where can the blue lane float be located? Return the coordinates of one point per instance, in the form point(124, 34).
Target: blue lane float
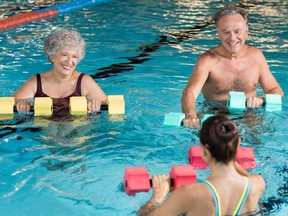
point(67, 7)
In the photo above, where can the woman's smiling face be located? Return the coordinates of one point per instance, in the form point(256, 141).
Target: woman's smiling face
point(66, 60)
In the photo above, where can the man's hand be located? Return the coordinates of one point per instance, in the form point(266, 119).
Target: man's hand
point(254, 102)
point(94, 105)
point(191, 121)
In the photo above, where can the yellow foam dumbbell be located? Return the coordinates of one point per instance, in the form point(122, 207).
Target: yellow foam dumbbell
point(116, 104)
point(78, 105)
point(6, 108)
point(7, 105)
point(43, 106)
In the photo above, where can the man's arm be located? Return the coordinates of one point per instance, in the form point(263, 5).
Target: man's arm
point(266, 79)
point(195, 84)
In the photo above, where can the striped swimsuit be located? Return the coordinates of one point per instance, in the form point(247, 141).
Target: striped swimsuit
point(217, 200)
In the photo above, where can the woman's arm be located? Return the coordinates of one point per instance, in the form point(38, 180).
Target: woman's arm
point(24, 94)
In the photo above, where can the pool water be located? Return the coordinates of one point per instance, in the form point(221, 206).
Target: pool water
point(144, 50)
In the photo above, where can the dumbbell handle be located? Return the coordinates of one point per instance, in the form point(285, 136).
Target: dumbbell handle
point(171, 182)
point(151, 184)
point(103, 107)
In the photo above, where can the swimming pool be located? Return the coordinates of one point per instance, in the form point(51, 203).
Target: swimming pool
point(144, 50)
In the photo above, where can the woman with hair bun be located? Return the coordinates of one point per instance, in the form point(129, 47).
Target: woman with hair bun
point(229, 189)
point(64, 48)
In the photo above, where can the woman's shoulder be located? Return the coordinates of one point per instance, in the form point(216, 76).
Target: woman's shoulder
point(196, 191)
point(257, 183)
point(86, 77)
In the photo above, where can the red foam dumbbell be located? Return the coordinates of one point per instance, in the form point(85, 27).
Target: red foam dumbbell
point(195, 158)
point(244, 156)
point(136, 179)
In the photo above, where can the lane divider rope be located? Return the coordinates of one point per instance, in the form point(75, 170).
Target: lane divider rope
point(48, 12)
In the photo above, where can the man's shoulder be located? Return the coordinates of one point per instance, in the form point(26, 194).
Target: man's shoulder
point(209, 56)
point(254, 53)
point(252, 49)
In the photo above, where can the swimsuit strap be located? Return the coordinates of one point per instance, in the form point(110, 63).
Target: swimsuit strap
point(77, 91)
point(240, 204)
point(39, 86)
point(215, 197)
point(243, 197)
point(39, 91)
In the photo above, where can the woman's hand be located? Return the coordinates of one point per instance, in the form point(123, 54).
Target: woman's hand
point(23, 106)
point(161, 186)
point(94, 105)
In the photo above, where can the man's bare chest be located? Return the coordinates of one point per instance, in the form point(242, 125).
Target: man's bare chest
point(219, 83)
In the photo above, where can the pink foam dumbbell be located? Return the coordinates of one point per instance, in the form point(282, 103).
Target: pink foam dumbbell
point(136, 179)
point(244, 156)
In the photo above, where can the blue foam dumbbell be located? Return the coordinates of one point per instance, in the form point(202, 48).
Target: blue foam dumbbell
point(173, 119)
point(236, 102)
point(176, 118)
point(273, 102)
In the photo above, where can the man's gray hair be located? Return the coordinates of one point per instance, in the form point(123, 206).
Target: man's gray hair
point(231, 10)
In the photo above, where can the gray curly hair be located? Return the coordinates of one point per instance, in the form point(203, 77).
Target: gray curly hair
point(63, 38)
point(231, 10)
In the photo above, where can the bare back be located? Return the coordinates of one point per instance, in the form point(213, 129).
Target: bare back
point(197, 199)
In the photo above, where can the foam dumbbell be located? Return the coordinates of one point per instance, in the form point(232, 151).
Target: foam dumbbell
point(116, 105)
point(42, 106)
point(273, 102)
point(7, 105)
point(137, 179)
point(173, 119)
point(244, 156)
point(176, 118)
point(236, 102)
point(6, 108)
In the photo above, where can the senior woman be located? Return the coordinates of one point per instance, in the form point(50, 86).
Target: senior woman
point(64, 48)
point(229, 190)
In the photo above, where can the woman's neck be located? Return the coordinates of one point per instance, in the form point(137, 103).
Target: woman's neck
point(222, 170)
point(62, 78)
